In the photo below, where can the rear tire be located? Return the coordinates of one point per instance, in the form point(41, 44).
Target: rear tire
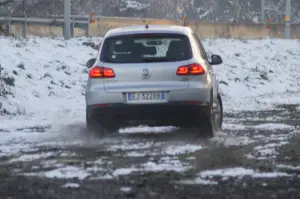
point(214, 118)
point(95, 127)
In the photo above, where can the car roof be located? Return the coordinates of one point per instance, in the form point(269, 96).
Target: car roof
point(141, 29)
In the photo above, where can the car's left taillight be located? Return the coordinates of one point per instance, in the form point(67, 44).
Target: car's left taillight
point(102, 72)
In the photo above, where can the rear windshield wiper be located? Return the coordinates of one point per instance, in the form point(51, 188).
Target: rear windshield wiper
point(155, 60)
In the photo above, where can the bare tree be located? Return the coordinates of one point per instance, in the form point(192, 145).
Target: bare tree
point(4, 2)
point(223, 11)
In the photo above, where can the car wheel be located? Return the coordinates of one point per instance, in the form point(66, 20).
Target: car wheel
point(214, 120)
point(95, 127)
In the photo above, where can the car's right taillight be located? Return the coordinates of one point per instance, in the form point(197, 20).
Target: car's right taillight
point(102, 72)
point(192, 69)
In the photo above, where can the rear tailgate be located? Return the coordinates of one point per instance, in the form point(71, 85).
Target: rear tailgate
point(146, 77)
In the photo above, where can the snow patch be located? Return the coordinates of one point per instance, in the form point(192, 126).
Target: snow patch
point(231, 172)
point(11, 148)
point(198, 181)
point(206, 177)
point(234, 172)
point(297, 168)
point(67, 173)
point(146, 129)
point(266, 151)
point(71, 185)
point(124, 171)
point(234, 126)
point(138, 154)
point(273, 126)
point(185, 149)
point(233, 140)
point(32, 157)
point(126, 189)
point(130, 146)
point(165, 164)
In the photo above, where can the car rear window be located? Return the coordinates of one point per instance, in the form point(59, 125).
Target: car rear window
point(146, 48)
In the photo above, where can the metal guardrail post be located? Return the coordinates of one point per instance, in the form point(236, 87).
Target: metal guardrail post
point(287, 30)
point(67, 16)
point(72, 27)
point(87, 30)
point(24, 28)
point(9, 26)
point(262, 11)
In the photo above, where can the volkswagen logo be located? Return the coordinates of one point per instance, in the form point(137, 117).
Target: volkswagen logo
point(145, 72)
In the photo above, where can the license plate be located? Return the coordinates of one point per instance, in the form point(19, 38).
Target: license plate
point(146, 96)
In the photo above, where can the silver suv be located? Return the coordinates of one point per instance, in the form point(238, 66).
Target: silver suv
point(155, 76)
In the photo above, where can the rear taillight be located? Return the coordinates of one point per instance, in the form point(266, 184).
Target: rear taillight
point(102, 72)
point(183, 70)
point(192, 69)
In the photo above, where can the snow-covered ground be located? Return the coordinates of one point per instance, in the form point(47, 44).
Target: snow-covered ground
point(259, 73)
point(47, 94)
point(50, 74)
point(49, 77)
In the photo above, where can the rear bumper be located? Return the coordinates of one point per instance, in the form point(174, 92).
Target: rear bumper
point(175, 114)
point(99, 96)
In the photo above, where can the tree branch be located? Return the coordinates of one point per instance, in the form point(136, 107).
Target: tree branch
point(5, 2)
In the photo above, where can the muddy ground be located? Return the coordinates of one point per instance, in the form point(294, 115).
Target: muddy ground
point(263, 162)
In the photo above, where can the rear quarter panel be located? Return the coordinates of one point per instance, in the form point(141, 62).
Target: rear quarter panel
point(205, 80)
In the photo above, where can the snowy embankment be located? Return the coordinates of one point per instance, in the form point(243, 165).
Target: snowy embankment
point(44, 78)
point(258, 74)
point(49, 77)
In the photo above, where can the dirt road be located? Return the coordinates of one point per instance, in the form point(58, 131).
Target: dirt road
point(255, 156)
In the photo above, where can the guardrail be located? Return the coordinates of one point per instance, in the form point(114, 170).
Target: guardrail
point(78, 21)
point(98, 26)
